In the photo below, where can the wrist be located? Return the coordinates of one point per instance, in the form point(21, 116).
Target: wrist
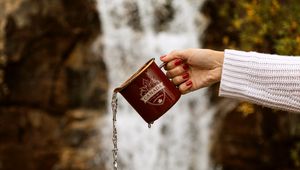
point(219, 59)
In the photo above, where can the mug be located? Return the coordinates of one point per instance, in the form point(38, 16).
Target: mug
point(150, 92)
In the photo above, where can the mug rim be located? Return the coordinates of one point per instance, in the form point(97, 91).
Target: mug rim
point(135, 75)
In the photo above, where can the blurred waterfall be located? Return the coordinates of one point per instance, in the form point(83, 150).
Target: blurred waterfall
point(133, 32)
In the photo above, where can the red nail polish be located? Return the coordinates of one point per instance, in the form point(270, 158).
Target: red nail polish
point(185, 67)
point(185, 76)
point(163, 56)
point(178, 62)
point(189, 83)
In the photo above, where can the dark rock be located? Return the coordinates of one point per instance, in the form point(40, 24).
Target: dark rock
point(132, 13)
point(40, 48)
point(53, 88)
point(261, 140)
point(164, 13)
point(29, 139)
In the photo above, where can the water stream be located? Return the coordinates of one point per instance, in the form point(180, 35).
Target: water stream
point(180, 139)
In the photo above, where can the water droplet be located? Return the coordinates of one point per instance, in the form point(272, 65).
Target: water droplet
point(116, 165)
point(149, 124)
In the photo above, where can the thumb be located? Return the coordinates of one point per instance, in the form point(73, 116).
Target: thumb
point(173, 55)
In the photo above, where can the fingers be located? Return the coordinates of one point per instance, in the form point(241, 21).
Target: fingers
point(172, 64)
point(180, 79)
point(177, 54)
point(178, 70)
point(186, 87)
point(183, 82)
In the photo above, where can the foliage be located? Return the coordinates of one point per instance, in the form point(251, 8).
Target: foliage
point(255, 25)
point(295, 154)
point(246, 108)
point(271, 26)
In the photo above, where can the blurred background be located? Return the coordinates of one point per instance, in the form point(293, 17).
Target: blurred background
point(61, 59)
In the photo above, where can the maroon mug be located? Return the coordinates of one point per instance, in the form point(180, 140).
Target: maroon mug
point(149, 92)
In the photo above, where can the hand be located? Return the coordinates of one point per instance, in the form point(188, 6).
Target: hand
point(192, 69)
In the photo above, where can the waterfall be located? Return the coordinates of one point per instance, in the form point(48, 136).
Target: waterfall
point(132, 34)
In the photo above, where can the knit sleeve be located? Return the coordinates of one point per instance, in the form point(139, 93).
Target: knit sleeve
point(268, 80)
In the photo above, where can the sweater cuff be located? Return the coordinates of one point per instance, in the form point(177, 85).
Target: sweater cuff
point(234, 80)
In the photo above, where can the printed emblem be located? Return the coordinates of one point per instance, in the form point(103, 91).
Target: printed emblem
point(152, 92)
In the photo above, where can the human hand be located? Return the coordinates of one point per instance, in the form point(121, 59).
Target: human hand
point(192, 69)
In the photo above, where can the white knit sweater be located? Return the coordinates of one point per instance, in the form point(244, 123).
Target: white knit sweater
point(268, 80)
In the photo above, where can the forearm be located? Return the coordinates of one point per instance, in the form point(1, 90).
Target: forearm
point(268, 80)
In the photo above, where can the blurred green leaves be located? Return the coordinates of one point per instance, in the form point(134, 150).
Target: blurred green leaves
point(266, 26)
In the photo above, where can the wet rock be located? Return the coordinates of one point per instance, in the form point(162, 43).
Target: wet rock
point(164, 13)
point(132, 13)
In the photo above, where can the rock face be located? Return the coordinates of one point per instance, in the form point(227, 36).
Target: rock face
point(261, 140)
point(53, 88)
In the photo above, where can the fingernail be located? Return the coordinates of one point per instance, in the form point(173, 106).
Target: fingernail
point(178, 62)
point(185, 67)
point(185, 76)
point(189, 83)
point(163, 56)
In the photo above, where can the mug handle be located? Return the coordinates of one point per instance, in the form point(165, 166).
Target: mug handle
point(162, 65)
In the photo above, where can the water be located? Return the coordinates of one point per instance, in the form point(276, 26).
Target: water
point(149, 124)
point(180, 139)
point(114, 106)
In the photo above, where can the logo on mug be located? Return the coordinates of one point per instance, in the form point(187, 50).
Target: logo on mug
point(153, 92)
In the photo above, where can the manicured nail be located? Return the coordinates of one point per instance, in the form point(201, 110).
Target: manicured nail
point(185, 67)
point(163, 56)
point(185, 76)
point(178, 62)
point(189, 83)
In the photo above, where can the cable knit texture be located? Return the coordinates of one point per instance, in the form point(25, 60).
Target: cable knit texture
point(268, 80)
